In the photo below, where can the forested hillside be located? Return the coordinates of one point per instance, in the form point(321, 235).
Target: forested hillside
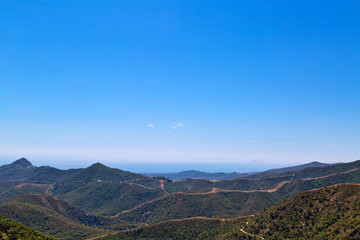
point(79, 203)
point(10, 230)
point(326, 213)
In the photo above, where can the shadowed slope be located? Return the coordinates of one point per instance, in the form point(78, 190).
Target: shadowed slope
point(53, 216)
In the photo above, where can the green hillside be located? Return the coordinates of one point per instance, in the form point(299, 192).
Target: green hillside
point(309, 172)
point(192, 228)
point(133, 200)
point(20, 177)
point(101, 172)
point(224, 204)
point(203, 185)
point(180, 205)
point(19, 169)
point(53, 216)
point(299, 185)
point(228, 203)
point(326, 213)
point(109, 198)
point(7, 193)
point(10, 230)
point(265, 180)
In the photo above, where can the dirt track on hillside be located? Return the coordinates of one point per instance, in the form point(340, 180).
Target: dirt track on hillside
point(218, 190)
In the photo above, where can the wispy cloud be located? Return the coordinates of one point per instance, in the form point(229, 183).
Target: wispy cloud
point(176, 125)
point(253, 141)
point(286, 143)
point(336, 147)
point(150, 125)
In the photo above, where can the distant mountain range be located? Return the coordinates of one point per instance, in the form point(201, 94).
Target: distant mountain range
point(98, 200)
point(197, 175)
point(226, 176)
point(298, 167)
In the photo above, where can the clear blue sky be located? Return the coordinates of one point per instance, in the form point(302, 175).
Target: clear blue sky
point(179, 82)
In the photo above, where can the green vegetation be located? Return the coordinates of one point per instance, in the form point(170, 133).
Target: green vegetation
point(54, 217)
point(109, 198)
point(127, 200)
point(11, 192)
point(179, 206)
point(327, 213)
point(100, 172)
point(309, 172)
point(10, 230)
point(193, 228)
point(19, 169)
point(299, 185)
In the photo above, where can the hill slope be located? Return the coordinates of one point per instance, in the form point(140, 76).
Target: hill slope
point(298, 167)
point(20, 177)
point(10, 230)
point(19, 169)
point(180, 205)
point(326, 213)
point(132, 199)
point(98, 171)
point(53, 216)
point(109, 198)
point(228, 203)
point(309, 171)
point(214, 203)
point(192, 228)
point(22, 171)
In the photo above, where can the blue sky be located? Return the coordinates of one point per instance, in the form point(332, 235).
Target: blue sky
point(208, 83)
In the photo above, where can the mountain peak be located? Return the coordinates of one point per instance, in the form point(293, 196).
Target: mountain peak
point(98, 165)
point(22, 162)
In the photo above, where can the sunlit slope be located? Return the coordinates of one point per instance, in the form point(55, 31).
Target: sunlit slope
point(326, 213)
point(10, 230)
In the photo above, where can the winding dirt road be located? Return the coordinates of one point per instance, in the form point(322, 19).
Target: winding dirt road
point(217, 190)
point(162, 186)
point(252, 235)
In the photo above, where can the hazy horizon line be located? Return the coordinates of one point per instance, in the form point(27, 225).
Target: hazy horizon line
point(158, 167)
